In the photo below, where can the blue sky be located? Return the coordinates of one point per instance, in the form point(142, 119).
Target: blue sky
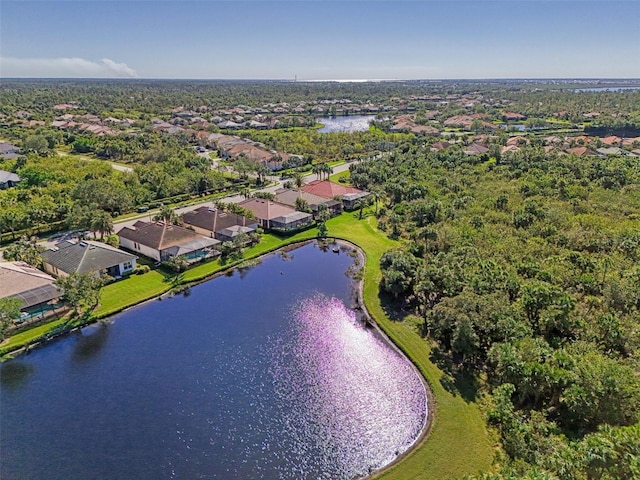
point(320, 39)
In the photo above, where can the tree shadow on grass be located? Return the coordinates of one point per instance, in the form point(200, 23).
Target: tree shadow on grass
point(456, 380)
point(175, 279)
point(392, 307)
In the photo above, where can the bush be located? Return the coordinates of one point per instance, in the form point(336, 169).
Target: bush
point(140, 269)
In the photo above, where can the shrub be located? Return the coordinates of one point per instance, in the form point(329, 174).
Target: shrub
point(140, 269)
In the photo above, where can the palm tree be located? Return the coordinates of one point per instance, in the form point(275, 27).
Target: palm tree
point(376, 195)
point(166, 214)
point(102, 223)
point(317, 169)
point(245, 192)
point(361, 203)
point(262, 171)
point(298, 180)
point(328, 170)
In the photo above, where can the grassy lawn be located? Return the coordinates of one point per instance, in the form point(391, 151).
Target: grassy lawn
point(130, 291)
point(337, 176)
point(24, 338)
point(458, 443)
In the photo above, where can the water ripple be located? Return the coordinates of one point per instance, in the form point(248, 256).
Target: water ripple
point(352, 403)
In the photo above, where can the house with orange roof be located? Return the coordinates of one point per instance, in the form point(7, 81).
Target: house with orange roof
point(582, 152)
point(327, 189)
point(611, 140)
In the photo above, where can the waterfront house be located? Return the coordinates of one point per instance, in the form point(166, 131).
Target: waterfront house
point(87, 256)
point(35, 289)
point(290, 197)
point(348, 195)
point(276, 216)
point(215, 223)
point(160, 241)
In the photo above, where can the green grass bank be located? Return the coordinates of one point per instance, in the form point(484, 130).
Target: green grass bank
point(457, 444)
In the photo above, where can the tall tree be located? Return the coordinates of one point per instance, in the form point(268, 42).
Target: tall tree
point(81, 290)
point(9, 312)
point(102, 223)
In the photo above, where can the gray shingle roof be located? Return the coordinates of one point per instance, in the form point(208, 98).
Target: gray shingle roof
point(8, 176)
point(85, 256)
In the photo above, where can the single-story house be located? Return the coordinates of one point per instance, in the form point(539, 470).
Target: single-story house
point(8, 179)
point(215, 223)
point(475, 149)
point(324, 188)
point(276, 216)
point(161, 241)
point(290, 196)
point(9, 151)
point(35, 289)
point(87, 256)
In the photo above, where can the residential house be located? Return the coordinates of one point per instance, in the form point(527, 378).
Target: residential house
point(290, 197)
point(276, 216)
point(8, 151)
point(324, 188)
point(475, 149)
point(441, 145)
point(8, 179)
point(87, 256)
point(161, 241)
point(35, 289)
point(215, 223)
point(582, 152)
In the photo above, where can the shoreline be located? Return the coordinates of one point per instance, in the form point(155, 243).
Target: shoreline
point(430, 403)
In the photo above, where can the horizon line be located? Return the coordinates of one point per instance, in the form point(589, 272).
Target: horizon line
point(336, 80)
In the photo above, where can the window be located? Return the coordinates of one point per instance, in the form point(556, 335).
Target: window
point(127, 265)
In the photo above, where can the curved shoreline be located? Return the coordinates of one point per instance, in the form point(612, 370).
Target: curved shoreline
point(430, 404)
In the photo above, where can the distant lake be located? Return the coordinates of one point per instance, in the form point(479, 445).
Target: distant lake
point(355, 123)
point(606, 89)
point(264, 374)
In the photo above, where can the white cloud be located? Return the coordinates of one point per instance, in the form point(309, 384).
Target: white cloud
point(72, 67)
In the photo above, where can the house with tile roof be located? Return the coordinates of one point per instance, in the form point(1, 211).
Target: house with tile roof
point(475, 149)
point(276, 216)
point(215, 223)
point(160, 241)
point(87, 256)
point(324, 188)
point(290, 197)
point(35, 289)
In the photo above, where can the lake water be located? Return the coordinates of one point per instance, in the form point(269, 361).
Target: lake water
point(606, 89)
point(355, 123)
point(263, 374)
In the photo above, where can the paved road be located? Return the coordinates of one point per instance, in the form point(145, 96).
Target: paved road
point(277, 183)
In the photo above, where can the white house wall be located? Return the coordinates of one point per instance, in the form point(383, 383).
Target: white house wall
point(139, 248)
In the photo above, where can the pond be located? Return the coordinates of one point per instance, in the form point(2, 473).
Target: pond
point(355, 123)
point(267, 373)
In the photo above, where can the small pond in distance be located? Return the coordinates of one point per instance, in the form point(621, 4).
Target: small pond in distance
point(352, 123)
point(266, 373)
